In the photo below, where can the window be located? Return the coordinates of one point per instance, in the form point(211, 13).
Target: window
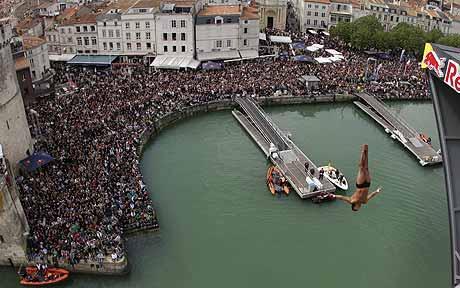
point(118, 46)
point(219, 43)
point(183, 48)
point(174, 36)
point(32, 64)
point(147, 35)
point(308, 21)
point(86, 41)
point(397, 19)
point(110, 45)
point(173, 23)
point(128, 36)
point(85, 28)
point(34, 75)
point(117, 33)
point(229, 43)
point(165, 36)
point(309, 5)
point(54, 38)
point(208, 21)
point(245, 42)
point(246, 21)
point(62, 31)
point(182, 23)
point(127, 25)
point(148, 45)
point(138, 35)
point(245, 31)
point(77, 29)
point(147, 25)
point(218, 20)
point(105, 45)
point(182, 36)
point(115, 23)
point(93, 28)
point(315, 22)
point(138, 46)
point(308, 13)
point(128, 46)
point(69, 30)
point(316, 14)
point(103, 33)
point(69, 40)
point(49, 38)
point(323, 14)
point(105, 24)
point(138, 25)
point(316, 6)
point(93, 41)
point(228, 20)
point(324, 7)
point(322, 24)
point(110, 33)
point(174, 49)
point(165, 48)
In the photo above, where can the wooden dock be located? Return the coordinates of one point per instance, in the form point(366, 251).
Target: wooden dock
point(291, 160)
point(398, 129)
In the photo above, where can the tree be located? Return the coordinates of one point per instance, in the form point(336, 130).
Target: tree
point(343, 31)
point(450, 40)
point(433, 36)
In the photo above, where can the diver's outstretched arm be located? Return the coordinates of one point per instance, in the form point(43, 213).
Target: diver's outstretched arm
point(370, 196)
point(343, 198)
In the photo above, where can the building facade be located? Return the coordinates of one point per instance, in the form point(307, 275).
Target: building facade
point(272, 13)
point(341, 11)
point(36, 51)
point(315, 14)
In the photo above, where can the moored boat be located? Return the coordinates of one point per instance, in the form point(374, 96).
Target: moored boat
point(276, 182)
point(338, 179)
point(34, 277)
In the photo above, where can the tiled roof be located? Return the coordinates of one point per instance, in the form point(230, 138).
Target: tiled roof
point(250, 13)
point(220, 10)
point(30, 42)
point(318, 1)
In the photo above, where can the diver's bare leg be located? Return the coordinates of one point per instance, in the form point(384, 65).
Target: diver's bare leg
point(373, 194)
point(363, 171)
point(343, 198)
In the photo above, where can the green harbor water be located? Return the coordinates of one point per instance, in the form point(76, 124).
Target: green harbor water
point(220, 227)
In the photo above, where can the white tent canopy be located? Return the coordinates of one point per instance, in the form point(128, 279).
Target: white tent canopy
point(62, 57)
point(174, 62)
point(322, 60)
point(263, 36)
point(333, 52)
point(245, 54)
point(325, 33)
point(312, 31)
point(315, 47)
point(281, 39)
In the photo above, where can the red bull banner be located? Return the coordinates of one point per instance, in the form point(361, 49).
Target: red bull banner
point(435, 62)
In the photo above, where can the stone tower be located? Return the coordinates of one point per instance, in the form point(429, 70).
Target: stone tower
point(15, 141)
point(272, 13)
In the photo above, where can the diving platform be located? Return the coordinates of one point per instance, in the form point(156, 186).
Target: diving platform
point(291, 160)
point(398, 129)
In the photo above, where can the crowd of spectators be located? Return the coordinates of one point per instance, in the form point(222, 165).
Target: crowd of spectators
point(79, 205)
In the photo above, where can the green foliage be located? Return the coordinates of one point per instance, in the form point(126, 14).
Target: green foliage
point(367, 32)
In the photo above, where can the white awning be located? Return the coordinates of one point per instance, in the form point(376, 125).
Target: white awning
point(334, 58)
point(312, 31)
point(174, 62)
point(62, 57)
point(281, 39)
point(249, 54)
point(263, 36)
point(312, 48)
point(333, 52)
point(325, 33)
point(218, 55)
point(322, 60)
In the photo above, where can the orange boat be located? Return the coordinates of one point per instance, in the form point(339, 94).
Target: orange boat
point(276, 181)
point(50, 276)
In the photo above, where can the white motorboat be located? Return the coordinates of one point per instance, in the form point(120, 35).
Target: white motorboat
point(329, 173)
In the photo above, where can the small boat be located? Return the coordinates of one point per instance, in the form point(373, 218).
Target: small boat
point(276, 181)
point(323, 197)
point(48, 276)
point(330, 174)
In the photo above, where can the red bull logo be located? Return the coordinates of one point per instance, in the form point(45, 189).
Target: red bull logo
point(453, 75)
point(434, 63)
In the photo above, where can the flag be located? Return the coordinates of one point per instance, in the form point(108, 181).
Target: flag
point(402, 55)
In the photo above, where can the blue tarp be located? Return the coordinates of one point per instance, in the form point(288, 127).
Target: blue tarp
point(35, 161)
point(298, 45)
point(93, 60)
point(211, 65)
point(303, 58)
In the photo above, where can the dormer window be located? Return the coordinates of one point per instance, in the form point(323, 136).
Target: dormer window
point(219, 20)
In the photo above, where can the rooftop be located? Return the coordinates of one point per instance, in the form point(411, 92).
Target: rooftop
point(21, 63)
point(147, 4)
point(27, 23)
point(30, 42)
point(220, 10)
point(250, 13)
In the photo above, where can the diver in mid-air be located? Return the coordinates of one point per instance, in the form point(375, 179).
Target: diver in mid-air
point(363, 182)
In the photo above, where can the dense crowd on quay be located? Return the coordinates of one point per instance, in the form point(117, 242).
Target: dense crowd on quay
point(79, 206)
